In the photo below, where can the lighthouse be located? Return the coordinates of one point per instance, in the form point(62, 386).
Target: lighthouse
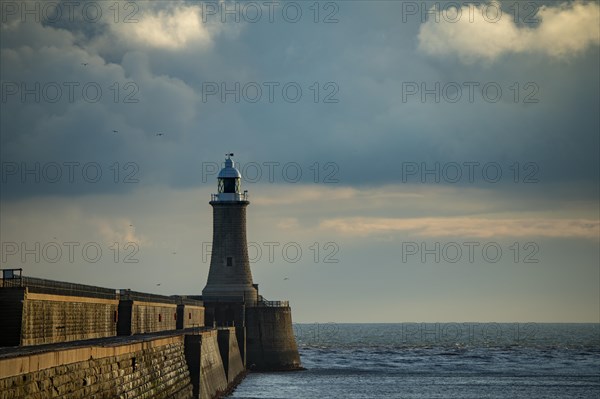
point(263, 328)
point(229, 276)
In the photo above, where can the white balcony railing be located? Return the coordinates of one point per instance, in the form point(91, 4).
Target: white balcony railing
point(229, 197)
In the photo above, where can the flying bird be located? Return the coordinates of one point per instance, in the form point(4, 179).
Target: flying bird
point(115, 131)
point(286, 278)
point(159, 134)
point(84, 63)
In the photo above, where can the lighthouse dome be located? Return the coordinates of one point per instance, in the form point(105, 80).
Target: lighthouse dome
point(229, 171)
point(230, 183)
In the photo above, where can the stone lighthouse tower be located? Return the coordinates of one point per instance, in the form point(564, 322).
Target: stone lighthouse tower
point(229, 276)
point(263, 328)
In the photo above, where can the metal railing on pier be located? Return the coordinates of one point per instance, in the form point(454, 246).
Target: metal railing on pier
point(229, 197)
point(272, 304)
point(44, 286)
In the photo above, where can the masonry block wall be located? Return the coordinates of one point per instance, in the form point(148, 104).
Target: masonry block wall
point(152, 317)
point(137, 317)
point(156, 358)
point(45, 311)
point(230, 354)
point(141, 313)
point(39, 314)
point(226, 313)
point(177, 366)
point(229, 240)
point(189, 316)
point(212, 373)
point(270, 340)
point(56, 318)
point(154, 368)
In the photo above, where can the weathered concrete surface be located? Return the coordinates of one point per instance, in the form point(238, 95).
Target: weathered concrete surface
point(138, 317)
point(270, 341)
point(226, 312)
point(230, 354)
point(154, 368)
point(240, 333)
point(205, 365)
point(212, 375)
point(47, 318)
point(39, 311)
point(229, 274)
point(189, 316)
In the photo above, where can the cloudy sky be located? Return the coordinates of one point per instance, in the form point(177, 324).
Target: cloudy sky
point(405, 162)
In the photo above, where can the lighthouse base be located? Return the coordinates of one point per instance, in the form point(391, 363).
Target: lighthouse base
point(270, 341)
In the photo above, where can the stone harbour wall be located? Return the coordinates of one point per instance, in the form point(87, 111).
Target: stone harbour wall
point(230, 354)
point(31, 318)
point(150, 369)
point(205, 365)
point(190, 316)
point(152, 317)
point(156, 366)
point(55, 318)
point(37, 311)
point(270, 341)
point(138, 317)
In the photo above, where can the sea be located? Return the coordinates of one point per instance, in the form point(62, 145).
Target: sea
point(437, 360)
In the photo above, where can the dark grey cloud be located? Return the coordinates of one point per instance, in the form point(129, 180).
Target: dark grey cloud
point(366, 59)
